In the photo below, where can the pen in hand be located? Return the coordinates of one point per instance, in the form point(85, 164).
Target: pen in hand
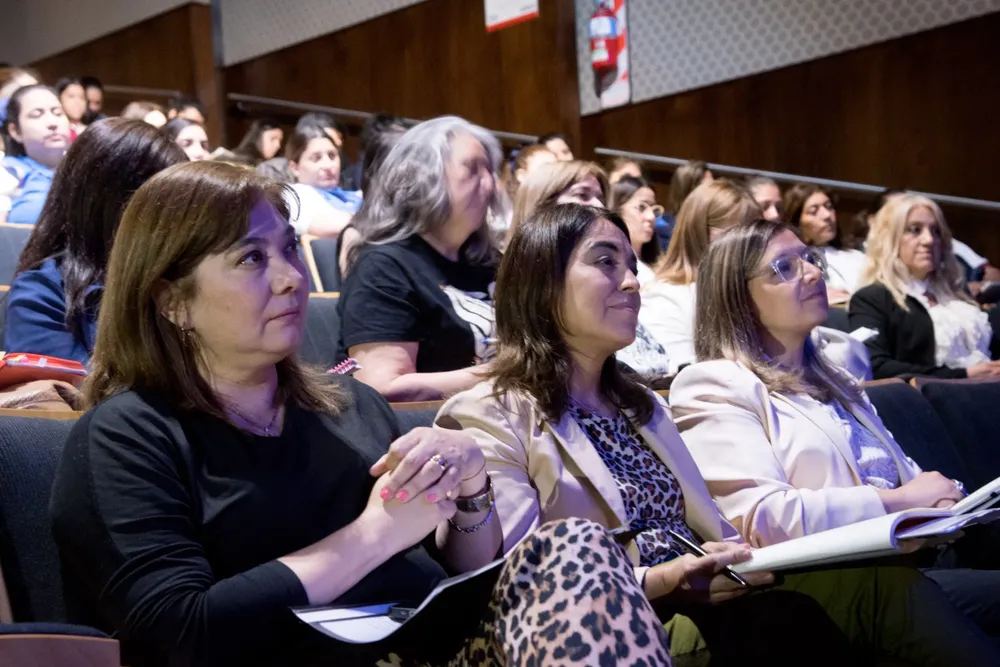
point(696, 550)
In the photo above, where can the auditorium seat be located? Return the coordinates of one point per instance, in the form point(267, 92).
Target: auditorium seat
point(836, 318)
point(970, 410)
point(310, 269)
point(4, 293)
point(320, 339)
point(324, 258)
point(917, 428)
point(13, 238)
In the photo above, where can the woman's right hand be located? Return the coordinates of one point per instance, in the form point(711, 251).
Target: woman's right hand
point(700, 579)
point(926, 490)
point(987, 369)
point(399, 524)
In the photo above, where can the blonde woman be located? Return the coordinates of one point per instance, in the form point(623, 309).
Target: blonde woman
point(788, 444)
point(668, 302)
point(913, 298)
point(579, 182)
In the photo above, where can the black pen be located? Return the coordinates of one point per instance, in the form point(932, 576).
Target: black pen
point(698, 551)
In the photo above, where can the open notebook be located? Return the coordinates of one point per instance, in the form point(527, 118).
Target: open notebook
point(882, 536)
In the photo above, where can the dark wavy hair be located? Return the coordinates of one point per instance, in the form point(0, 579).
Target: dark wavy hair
point(100, 172)
point(249, 148)
point(532, 355)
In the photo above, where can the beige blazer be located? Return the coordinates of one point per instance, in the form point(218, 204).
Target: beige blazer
point(779, 466)
point(543, 471)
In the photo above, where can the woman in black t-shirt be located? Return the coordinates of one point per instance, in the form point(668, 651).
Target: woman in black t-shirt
point(217, 482)
point(416, 307)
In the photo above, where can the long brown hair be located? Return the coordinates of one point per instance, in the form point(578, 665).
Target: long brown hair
point(173, 222)
point(547, 182)
point(794, 203)
point(727, 326)
point(686, 178)
point(532, 355)
point(720, 204)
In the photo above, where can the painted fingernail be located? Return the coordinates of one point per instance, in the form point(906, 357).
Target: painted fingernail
point(385, 493)
point(432, 497)
point(402, 496)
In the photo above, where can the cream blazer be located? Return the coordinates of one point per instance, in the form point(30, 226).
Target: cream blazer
point(779, 466)
point(543, 471)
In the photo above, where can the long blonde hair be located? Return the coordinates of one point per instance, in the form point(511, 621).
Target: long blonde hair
point(719, 205)
point(883, 265)
point(545, 184)
point(727, 326)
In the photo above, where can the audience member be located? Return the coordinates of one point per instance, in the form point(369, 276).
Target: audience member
point(325, 122)
point(36, 134)
point(186, 106)
point(620, 167)
point(810, 210)
point(913, 299)
point(150, 112)
point(634, 200)
point(566, 434)
point(377, 125)
point(190, 136)
point(94, 91)
point(54, 301)
point(767, 194)
point(261, 142)
point(685, 179)
point(12, 78)
point(415, 308)
point(73, 98)
point(523, 162)
point(557, 144)
point(324, 208)
point(585, 183)
point(216, 482)
point(788, 444)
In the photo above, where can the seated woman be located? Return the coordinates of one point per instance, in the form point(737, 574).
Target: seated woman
point(73, 97)
point(53, 305)
point(566, 434)
point(261, 142)
point(634, 200)
point(36, 135)
point(216, 481)
point(619, 167)
point(809, 209)
point(150, 112)
point(912, 298)
point(416, 307)
point(191, 138)
point(578, 182)
point(767, 194)
point(686, 178)
point(788, 444)
point(324, 208)
point(668, 302)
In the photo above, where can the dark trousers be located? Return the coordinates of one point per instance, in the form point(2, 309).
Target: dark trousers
point(969, 574)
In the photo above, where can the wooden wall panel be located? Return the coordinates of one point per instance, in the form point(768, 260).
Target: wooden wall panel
point(431, 59)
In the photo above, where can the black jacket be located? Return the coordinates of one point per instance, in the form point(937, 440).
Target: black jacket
point(904, 346)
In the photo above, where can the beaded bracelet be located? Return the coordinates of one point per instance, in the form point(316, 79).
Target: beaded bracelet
point(473, 529)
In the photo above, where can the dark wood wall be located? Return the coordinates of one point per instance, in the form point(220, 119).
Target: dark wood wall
point(430, 59)
point(171, 51)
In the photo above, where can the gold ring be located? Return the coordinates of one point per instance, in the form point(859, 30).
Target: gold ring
point(441, 461)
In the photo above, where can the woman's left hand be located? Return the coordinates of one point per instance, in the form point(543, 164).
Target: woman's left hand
point(430, 462)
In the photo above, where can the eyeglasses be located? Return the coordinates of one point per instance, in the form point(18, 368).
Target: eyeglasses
point(791, 267)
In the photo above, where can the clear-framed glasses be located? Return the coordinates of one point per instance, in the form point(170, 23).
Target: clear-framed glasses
point(791, 267)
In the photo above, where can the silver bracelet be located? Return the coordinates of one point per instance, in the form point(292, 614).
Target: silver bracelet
point(473, 529)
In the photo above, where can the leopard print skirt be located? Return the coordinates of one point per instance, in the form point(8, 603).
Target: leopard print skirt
point(567, 595)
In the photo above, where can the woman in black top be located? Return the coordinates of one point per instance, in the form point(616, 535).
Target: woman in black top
point(217, 482)
point(416, 308)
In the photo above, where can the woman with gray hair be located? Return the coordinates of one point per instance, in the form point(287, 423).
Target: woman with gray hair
point(416, 309)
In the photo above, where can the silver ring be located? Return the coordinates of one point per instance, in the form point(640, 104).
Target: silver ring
point(959, 486)
point(441, 461)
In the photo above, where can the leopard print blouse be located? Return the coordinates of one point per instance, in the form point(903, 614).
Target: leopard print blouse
point(652, 495)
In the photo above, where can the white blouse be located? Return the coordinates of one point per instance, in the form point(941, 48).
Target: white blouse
point(843, 268)
point(962, 331)
point(667, 312)
point(644, 274)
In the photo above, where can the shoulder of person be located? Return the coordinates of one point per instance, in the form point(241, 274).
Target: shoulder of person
point(719, 379)
point(873, 293)
point(483, 401)
point(45, 279)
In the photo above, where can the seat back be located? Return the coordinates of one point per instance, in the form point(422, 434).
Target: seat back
point(322, 334)
point(324, 254)
point(29, 562)
point(836, 318)
point(917, 428)
point(13, 238)
point(4, 293)
point(970, 411)
point(311, 274)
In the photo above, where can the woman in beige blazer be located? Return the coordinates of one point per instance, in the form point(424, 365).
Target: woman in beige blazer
point(788, 444)
point(567, 434)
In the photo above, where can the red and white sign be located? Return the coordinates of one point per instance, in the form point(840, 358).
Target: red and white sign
point(609, 59)
point(505, 13)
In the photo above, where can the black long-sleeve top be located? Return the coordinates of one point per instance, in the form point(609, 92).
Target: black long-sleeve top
point(169, 525)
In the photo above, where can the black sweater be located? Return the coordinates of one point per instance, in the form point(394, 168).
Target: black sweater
point(905, 345)
point(169, 525)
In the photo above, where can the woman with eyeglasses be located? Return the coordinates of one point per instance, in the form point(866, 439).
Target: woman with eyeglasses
point(810, 209)
point(788, 444)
